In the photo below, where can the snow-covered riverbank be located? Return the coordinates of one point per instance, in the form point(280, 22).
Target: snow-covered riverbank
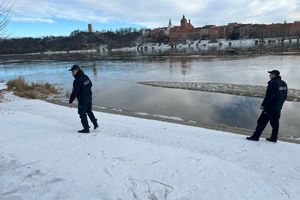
point(42, 157)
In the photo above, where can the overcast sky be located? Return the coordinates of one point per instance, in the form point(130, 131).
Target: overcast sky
point(61, 17)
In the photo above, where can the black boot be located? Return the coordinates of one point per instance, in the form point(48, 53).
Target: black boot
point(271, 139)
point(96, 124)
point(252, 138)
point(84, 131)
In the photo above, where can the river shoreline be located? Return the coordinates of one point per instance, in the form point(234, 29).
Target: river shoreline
point(115, 109)
point(177, 120)
point(117, 55)
point(57, 99)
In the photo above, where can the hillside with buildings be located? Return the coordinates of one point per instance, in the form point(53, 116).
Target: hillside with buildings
point(171, 37)
point(232, 31)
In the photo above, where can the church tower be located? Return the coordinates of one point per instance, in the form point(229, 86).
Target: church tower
point(90, 29)
point(183, 22)
point(170, 23)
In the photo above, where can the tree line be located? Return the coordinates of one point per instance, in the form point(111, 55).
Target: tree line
point(77, 40)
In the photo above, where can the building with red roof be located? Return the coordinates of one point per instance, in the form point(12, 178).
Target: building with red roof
point(183, 32)
point(231, 31)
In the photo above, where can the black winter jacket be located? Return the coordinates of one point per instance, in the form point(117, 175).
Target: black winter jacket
point(276, 94)
point(81, 88)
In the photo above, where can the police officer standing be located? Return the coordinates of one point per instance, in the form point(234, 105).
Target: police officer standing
point(271, 107)
point(82, 90)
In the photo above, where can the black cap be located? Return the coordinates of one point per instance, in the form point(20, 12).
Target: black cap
point(275, 72)
point(74, 67)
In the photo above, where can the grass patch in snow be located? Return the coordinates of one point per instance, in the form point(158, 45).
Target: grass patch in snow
point(22, 88)
point(1, 91)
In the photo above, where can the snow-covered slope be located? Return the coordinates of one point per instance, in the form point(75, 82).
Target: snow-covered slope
point(42, 157)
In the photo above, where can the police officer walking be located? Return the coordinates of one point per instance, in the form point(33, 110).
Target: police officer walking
point(271, 107)
point(82, 90)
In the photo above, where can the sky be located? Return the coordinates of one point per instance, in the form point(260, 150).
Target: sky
point(32, 18)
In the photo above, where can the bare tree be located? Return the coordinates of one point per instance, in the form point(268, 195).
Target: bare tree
point(5, 9)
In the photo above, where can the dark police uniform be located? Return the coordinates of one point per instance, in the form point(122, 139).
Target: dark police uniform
point(272, 104)
point(82, 90)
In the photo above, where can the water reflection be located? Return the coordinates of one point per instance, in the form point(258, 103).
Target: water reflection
point(186, 66)
point(116, 86)
point(204, 108)
point(95, 70)
point(171, 69)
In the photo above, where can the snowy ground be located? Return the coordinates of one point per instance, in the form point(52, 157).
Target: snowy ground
point(42, 157)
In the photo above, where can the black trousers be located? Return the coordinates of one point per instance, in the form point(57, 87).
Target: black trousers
point(263, 121)
point(84, 109)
